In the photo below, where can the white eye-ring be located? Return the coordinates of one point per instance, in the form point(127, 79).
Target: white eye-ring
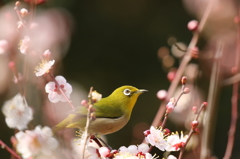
point(127, 92)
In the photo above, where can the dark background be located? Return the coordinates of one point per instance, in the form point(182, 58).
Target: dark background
point(115, 43)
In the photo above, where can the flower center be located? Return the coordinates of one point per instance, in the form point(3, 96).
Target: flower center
point(179, 145)
point(57, 90)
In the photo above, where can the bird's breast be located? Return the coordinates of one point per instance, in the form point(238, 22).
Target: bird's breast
point(105, 126)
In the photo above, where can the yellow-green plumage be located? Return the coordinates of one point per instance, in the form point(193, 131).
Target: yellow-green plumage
point(112, 113)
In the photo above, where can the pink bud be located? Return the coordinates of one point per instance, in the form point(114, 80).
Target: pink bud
point(104, 151)
point(17, 3)
point(186, 90)
point(204, 104)
point(169, 107)
point(195, 109)
point(196, 131)
point(162, 94)
point(184, 80)
point(171, 75)
point(194, 124)
point(84, 103)
point(47, 54)
point(192, 25)
point(23, 12)
point(146, 133)
point(12, 65)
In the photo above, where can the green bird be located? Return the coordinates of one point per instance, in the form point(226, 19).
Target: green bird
point(111, 113)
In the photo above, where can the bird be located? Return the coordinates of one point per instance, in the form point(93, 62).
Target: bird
point(112, 113)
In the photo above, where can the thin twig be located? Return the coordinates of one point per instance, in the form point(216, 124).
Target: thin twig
point(187, 57)
point(166, 114)
point(192, 131)
point(86, 135)
point(208, 131)
point(3, 145)
point(232, 129)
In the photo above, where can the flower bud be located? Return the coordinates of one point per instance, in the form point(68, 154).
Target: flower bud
point(146, 133)
point(171, 75)
point(96, 96)
point(204, 104)
point(192, 25)
point(169, 107)
point(23, 12)
point(17, 4)
point(195, 109)
point(47, 54)
point(161, 94)
point(186, 90)
point(184, 80)
point(84, 103)
point(93, 116)
point(12, 66)
point(194, 124)
point(196, 131)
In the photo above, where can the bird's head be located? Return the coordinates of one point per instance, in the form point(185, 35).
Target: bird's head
point(126, 97)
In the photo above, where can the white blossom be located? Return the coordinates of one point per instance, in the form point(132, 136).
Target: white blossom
point(44, 67)
point(175, 142)
point(24, 45)
point(54, 93)
point(134, 152)
point(39, 141)
point(17, 112)
point(156, 138)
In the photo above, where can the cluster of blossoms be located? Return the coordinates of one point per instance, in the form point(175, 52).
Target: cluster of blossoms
point(130, 152)
point(39, 141)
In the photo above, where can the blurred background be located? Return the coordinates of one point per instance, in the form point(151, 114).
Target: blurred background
point(130, 42)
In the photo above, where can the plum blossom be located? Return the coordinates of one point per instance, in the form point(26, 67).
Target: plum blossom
point(54, 93)
point(3, 46)
point(24, 45)
point(171, 157)
point(39, 141)
point(156, 138)
point(44, 67)
point(96, 96)
point(134, 152)
point(175, 142)
point(17, 112)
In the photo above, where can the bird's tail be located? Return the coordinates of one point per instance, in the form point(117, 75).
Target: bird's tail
point(63, 124)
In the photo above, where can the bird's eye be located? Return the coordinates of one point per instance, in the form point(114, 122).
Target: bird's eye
point(127, 92)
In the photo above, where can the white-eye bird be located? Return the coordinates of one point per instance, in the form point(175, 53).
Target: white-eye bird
point(112, 113)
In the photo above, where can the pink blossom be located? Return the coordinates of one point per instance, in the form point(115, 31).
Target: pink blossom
point(3, 46)
point(54, 93)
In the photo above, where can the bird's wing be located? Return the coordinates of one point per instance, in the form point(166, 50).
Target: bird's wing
point(107, 109)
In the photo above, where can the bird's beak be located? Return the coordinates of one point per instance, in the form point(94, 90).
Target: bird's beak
point(140, 91)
